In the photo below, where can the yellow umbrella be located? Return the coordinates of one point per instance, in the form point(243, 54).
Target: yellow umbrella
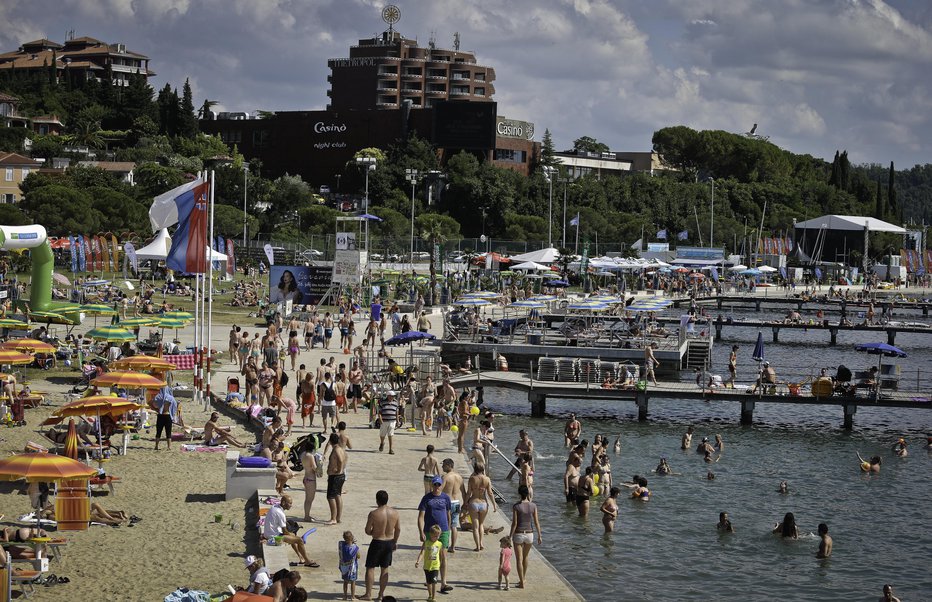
point(9, 357)
point(28, 346)
point(43, 467)
point(97, 404)
point(128, 380)
point(140, 362)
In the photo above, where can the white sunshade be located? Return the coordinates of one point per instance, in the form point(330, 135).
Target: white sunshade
point(850, 222)
point(531, 266)
point(738, 268)
point(766, 269)
point(548, 255)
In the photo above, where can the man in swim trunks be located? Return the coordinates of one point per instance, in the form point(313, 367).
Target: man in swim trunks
point(430, 467)
point(385, 528)
point(571, 479)
point(214, 435)
point(336, 476)
point(454, 487)
point(355, 386)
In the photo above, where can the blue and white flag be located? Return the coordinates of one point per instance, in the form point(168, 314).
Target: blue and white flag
point(683, 235)
point(818, 274)
point(185, 205)
point(82, 260)
point(714, 273)
point(575, 221)
point(662, 234)
point(74, 253)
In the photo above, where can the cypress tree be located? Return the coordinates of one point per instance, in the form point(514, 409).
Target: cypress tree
point(878, 207)
point(833, 179)
point(844, 170)
point(187, 122)
point(891, 192)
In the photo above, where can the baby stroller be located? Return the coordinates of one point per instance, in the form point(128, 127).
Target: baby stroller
point(308, 443)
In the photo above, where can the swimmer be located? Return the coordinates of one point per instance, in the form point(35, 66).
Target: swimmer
point(784, 488)
point(618, 444)
point(641, 492)
point(663, 468)
point(610, 510)
point(788, 527)
point(705, 447)
point(872, 466)
point(687, 441)
point(899, 448)
point(825, 546)
point(724, 525)
point(929, 443)
point(710, 476)
point(888, 594)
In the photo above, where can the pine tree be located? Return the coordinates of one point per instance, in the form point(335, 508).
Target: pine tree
point(168, 111)
point(844, 170)
point(187, 119)
point(833, 179)
point(891, 193)
point(878, 207)
point(547, 151)
point(53, 70)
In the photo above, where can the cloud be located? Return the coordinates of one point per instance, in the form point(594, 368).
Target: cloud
point(816, 76)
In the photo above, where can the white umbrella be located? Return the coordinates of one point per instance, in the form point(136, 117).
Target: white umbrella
point(766, 269)
point(737, 268)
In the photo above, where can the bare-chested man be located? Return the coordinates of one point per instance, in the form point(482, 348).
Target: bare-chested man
point(427, 407)
point(571, 431)
point(525, 447)
point(310, 483)
point(462, 421)
point(571, 479)
point(354, 394)
point(215, 435)
point(430, 467)
point(385, 528)
point(335, 479)
point(454, 487)
point(687, 438)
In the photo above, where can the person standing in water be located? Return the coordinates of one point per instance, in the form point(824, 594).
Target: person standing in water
point(687, 441)
point(609, 510)
point(825, 545)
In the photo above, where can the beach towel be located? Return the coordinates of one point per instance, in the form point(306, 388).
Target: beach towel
point(183, 594)
point(203, 448)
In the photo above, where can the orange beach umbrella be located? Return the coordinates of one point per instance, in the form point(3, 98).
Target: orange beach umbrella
point(43, 467)
point(140, 362)
point(28, 346)
point(97, 405)
point(128, 380)
point(11, 357)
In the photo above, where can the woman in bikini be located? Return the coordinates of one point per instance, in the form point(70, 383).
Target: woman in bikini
point(479, 497)
point(293, 348)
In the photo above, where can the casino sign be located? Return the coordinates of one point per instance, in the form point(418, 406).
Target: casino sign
point(512, 128)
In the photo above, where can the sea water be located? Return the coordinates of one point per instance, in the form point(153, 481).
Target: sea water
point(668, 548)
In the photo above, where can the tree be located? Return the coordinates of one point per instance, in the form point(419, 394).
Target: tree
point(228, 222)
point(548, 153)
point(436, 229)
point(891, 192)
point(187, 120)
point(169, 111)
point(878, 207)
point(589, 145)
point(62, 210)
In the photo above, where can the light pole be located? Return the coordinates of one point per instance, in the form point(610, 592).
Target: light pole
point(712, 224)
point(245, 176)
point(412, 175)
point(368, 164)
point(548, 173)
point(482, 238)
point(337, 176)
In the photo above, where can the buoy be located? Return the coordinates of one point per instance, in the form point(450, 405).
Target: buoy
point(865, 466)
point(474, 410)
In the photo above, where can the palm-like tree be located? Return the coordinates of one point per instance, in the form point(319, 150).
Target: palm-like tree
point(432, 232)
point(564, 259)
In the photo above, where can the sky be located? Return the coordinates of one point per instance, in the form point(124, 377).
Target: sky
point(816, 76)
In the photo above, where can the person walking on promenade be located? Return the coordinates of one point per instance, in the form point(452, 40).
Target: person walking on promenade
point(454, 487)
point(384, 526)
point(478, 498)
point(524, 521)
point(435, 510)
point(336, 476)
point(388, 414)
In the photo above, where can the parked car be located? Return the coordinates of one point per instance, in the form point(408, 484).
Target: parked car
point(312, 254)
point(375, 256)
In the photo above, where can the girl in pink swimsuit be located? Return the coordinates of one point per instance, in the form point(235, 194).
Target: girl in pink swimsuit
point(504, 562)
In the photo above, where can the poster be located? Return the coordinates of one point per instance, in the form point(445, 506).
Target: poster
point(346, 241)
point(349, 267)
point(301, 285)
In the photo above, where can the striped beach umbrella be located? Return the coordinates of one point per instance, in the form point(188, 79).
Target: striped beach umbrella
point(586, 304)
point(71, 441)
point(97, 405)
point(128, 380)
point(471, 302)
point(138, 322)
point(98, 309)
point(542, 298)
point(482, 295)
point(177, 314)
point(528, 304)
point(650, 304)
point(12, 323)
point(111, 334)
point(143, 362)
point(11, 357)
point(43, 467)
point(28, 346)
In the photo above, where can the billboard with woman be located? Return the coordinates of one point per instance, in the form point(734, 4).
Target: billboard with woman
point(302, 285)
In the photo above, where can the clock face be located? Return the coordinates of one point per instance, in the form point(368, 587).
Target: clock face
point(391, 14)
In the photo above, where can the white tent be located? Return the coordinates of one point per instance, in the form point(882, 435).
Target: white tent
point(540, 256)
point(849, 222)
point(531, 266)
point(158, 248)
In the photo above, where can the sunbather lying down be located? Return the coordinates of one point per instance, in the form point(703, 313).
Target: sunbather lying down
point(20, 534)
point(111, 517)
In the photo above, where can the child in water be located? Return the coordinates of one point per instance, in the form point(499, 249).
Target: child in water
point(504, 562)
point(349, 564)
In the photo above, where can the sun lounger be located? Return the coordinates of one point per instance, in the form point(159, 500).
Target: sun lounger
point(98, 484)
point(26, 580)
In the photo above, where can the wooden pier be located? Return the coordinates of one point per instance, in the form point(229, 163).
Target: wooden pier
point(539, 391)
point(758, 301)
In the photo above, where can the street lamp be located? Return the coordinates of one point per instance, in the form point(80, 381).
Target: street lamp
point(712, 224)
point(245, 175)
point(412, 176)
point(548, 173)
point(483, 238)
point(368, 164)
point(338, 176)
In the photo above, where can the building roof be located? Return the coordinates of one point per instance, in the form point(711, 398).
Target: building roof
point(850, 222)
point(8, 98)
point(47, 119)
point(115, 166)
point(13, 159)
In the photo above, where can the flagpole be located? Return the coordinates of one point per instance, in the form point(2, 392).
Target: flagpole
point(210, 285)
point(576, 252)
point(197, 324)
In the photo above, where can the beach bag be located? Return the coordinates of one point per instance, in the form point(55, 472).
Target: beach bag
point(291, 526)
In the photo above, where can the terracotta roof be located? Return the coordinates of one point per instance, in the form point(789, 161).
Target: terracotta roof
point(8, 97)
point(118, 166)
point(44, 42)
point(47, 119)
point(15, 159)
point(83, 40)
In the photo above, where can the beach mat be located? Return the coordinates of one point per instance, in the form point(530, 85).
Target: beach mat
point(204, 448)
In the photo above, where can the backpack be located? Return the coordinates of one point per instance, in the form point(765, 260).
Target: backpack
point(329, 394)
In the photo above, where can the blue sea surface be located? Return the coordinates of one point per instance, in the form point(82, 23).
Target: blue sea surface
point(668, 548)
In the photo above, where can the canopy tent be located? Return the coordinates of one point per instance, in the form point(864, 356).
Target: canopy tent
point(832, 237)
point(158, 249)
point(532, 266)
point(548, 255)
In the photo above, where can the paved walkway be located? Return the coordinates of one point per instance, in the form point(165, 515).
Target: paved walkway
point(473, 575)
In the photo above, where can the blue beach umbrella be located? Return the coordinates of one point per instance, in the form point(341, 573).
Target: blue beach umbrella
point(409, 337)
point(880, 350)
point(557, 283)
point(758, 355)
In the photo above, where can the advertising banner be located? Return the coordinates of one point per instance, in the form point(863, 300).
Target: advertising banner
point(299, 284)
point(349, 267)
point(346, 241)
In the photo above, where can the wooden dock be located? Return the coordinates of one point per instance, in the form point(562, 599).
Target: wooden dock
point(539, 391)
point(758, 301)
